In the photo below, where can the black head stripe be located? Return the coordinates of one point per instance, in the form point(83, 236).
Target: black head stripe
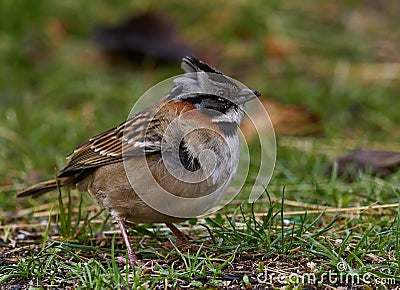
point(191, 64)
point(211, 103)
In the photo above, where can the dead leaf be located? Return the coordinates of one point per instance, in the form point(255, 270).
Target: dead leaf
point(278, 47)
point(286, 120)
point(56, 32)
point(379, 163)
point(149, 34)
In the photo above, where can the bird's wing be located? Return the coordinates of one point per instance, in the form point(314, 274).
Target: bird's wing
point(136, 136)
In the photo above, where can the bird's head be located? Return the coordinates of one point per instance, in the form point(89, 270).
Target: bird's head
point(210, 90)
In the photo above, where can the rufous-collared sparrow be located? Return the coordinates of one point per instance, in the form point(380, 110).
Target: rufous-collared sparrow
point(186, 145)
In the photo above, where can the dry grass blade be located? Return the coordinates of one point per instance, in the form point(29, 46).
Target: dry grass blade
point(357, 209)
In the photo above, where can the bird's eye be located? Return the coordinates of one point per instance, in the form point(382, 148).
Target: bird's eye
point(221, 93)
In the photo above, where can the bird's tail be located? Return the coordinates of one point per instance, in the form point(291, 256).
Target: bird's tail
point(43, 187)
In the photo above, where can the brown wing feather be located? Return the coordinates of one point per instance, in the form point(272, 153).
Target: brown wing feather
point(130, 138)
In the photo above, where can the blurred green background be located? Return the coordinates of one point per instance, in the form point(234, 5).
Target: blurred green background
point(339, 60)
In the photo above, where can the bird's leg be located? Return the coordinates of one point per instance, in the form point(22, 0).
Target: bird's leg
point(133, 260)
point(183, 239)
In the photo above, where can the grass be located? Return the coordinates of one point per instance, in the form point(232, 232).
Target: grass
point(262, 246)
point(309, 229)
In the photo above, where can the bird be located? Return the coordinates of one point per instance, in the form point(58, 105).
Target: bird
point(184, 147)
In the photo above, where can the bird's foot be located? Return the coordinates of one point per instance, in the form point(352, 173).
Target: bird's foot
point(144, 265)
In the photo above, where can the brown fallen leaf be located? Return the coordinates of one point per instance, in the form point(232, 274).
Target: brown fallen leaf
point(150, 34)
point(56, 32)
point(286, 120)
point(278, 47)
point(379, 163)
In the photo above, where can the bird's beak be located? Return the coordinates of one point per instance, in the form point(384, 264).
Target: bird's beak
point(246, 95)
